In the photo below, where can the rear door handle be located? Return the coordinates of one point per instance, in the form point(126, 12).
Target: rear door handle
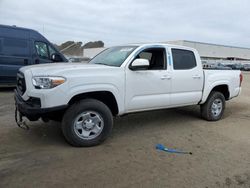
point(196, 77)
point(166, 77)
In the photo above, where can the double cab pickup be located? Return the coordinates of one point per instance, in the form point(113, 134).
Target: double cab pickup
point(121, 80)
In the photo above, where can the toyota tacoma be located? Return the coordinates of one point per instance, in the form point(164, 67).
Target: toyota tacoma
point(121, 80)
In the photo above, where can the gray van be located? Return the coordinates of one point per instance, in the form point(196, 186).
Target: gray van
point(20, 47)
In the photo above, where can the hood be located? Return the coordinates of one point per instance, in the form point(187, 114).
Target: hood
point(63, 68)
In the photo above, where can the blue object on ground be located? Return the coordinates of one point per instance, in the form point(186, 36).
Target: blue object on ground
point(163, 148)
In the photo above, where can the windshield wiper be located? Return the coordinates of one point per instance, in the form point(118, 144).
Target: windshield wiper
point(102, 64)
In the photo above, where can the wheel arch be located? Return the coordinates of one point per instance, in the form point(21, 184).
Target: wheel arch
point(222, 88)
point(106, 97)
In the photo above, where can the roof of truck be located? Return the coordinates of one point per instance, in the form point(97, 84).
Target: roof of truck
point(159, 44)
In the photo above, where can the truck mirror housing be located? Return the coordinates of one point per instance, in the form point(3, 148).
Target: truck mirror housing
point(55, 57)
point(139, 64)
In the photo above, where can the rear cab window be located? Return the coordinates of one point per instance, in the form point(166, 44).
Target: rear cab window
point(183, 59)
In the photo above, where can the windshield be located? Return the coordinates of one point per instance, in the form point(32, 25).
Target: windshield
point(113, 56)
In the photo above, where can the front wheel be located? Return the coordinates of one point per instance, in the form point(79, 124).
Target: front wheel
point(213, 108)
point(87, 123)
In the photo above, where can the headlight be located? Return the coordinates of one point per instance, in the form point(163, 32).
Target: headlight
point(47, 82)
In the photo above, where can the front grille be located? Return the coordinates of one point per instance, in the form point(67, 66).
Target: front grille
point(21, 86)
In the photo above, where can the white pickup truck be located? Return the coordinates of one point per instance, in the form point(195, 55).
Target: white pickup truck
point(118, 81)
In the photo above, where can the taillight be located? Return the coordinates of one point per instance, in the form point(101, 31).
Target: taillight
point(241, 78)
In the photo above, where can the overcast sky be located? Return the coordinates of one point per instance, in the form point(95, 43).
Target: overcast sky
point(129, 21)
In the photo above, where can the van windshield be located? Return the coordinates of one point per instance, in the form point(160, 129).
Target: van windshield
point(113, 56)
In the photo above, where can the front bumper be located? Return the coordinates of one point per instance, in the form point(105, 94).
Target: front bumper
point(33, 111)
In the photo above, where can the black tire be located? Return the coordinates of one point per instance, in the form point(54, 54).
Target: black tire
point(206, 108)
point(80, 107)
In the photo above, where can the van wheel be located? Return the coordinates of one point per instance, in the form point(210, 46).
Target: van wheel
point(213, 108)
point(87, 123)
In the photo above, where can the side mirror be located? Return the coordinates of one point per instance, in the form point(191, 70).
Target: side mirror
point(55, 57)
point(139, 64)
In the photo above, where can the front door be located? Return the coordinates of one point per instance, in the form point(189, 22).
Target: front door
point(150, 88)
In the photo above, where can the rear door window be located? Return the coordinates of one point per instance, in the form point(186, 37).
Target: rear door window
point(42, 50)
point(183, 59)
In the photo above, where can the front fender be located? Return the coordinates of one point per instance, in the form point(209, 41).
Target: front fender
point(86, 88)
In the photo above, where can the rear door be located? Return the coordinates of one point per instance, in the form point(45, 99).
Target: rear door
point(14, 53)
point(187, 77)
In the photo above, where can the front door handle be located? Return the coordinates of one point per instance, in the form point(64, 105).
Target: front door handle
point(166, 77)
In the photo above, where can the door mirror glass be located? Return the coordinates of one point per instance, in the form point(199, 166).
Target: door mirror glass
point(55, 57)
point(139, 64)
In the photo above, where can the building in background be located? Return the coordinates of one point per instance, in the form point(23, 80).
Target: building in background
point(92, 52)
point(210, 53)
point(217, 53)
point(71, 48)
point(74, 50)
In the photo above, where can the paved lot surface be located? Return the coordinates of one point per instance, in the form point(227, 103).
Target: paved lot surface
point(221, 150)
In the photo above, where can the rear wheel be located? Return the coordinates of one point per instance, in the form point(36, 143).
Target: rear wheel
point(87, 123)
point(213, 108)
